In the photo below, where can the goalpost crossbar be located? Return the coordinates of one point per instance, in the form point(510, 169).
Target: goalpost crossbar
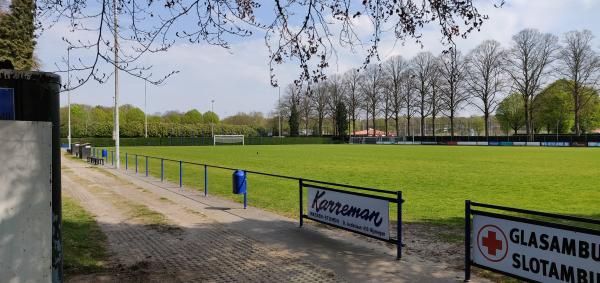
point(228, 139)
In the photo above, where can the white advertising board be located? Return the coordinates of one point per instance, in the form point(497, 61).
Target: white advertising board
point(535, 252)
point(357, 213)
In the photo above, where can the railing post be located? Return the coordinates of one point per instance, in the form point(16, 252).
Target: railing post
point(126, 161)
point(136, 164)
point(162, 169)
point(205, 180)
point(399, 226)
point(112, 158)
point(180, 174)
point(146, 166)
point(467, 240)
point(300, 199)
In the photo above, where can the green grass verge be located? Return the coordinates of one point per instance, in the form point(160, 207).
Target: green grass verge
point(435, 180)
point(84, 244)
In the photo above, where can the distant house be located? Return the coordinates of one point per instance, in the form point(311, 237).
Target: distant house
point(370, 132)
point(596, 131)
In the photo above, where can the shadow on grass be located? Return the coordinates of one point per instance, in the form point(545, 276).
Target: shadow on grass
point(84, 244)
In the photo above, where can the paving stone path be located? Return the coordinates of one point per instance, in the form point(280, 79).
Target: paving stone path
point(210, 239)
point(195, 249)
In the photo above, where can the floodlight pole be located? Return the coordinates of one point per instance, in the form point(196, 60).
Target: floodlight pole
point(212, 109)
point(145, 110)
point(117, 134)
point(69, 92)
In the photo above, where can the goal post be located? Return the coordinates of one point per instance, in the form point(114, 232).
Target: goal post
point(228, 139)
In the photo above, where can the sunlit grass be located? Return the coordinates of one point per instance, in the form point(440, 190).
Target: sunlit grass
point(435, 180)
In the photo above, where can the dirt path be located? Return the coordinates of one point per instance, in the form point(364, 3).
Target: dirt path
point(211, 239)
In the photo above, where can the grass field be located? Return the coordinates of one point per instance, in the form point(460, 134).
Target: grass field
point(435, 180)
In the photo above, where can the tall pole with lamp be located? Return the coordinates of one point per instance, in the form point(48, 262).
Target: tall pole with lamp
point(212, 109)
point(145, 110)
point(117, 134)
point(279, 112)
point(69, 92)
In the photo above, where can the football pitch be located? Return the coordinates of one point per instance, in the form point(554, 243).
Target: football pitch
point(435, 180)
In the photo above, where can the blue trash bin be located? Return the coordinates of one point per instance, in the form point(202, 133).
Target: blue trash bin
point(105, 153)
point(239, 182)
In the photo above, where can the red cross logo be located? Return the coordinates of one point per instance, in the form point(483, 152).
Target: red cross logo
point(492, 243)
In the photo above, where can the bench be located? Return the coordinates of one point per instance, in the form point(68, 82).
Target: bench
point(95, 160)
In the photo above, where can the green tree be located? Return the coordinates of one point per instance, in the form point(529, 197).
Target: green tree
point(101, 121)
point(17, 38)
point(590, 113)
point(253, 119)
point(210, 117)
point(79, 120)
point(511, 113)
point(341, 118)
point(131, 121)
point(192, 117)
point(553, 108)
point(294, 120)
point(172, 117)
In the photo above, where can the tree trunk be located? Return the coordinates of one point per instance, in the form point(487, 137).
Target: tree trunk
point(386, 126)
point(422, 126)
point(408, 125)
point(452, 124)
point(320, 125)
point(396, 119)
point(486, 118)
point(577, 115)
point(433, 125)
point(367, 121)
point(527, 119)
point(373, 116)
point(354, 122)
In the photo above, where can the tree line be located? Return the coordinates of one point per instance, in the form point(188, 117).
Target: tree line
point(97, 121)
point(511, 82)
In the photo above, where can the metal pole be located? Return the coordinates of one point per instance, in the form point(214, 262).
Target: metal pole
point(180, 174)
point(145, 111)
point(162, 169)
point(112, 158)
point(116, 63)
point(300, 198)
point(212, 109)
point(399, 226)
point(146, 166)
point(126, 161)
point(246, 199)
point(467, 240)
point(136, 164)
point(205, 180)
point(279, 111)
point(69, 92)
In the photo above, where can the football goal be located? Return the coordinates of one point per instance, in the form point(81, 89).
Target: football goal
point(228, 139)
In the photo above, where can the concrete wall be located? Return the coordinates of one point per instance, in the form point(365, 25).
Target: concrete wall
point(25, 201)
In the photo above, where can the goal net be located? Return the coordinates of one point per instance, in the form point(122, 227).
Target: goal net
point(228, 139)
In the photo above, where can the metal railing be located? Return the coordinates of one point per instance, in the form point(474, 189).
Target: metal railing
point(206, 166)
point(392, 196)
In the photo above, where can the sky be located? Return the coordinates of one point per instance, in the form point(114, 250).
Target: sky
point(238, 79)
